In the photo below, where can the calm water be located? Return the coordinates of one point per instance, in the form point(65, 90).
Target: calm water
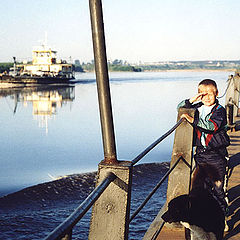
point(51, 132)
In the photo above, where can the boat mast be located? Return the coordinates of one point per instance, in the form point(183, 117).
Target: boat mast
point(14, 66)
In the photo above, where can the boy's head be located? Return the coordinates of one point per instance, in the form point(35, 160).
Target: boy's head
point(209, 89)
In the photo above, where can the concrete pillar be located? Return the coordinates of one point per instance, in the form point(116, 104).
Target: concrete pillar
point(232, 98)
point(236, 96)
point(179, 179)
point(110, 213)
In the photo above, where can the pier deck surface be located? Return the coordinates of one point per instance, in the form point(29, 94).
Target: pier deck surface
point(233, 187)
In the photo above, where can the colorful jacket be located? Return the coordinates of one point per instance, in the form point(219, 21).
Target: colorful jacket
point(213, 128)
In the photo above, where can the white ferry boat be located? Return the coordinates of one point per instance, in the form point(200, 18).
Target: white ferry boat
point(44, 68)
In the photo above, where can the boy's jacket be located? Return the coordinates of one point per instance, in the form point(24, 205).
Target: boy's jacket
point(213, 127)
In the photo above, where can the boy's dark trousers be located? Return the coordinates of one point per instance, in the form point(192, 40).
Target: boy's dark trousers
point(213, 163)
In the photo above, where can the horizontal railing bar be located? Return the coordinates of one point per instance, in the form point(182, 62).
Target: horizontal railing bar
point(229, 81)
point(66, 226)
point(155, 189)
point(149, 148)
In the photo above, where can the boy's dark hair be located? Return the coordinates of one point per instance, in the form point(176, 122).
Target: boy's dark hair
point(208, 82)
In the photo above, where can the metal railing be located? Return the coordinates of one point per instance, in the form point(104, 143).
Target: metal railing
point(154, 144)
point(154, 237)
point(64, 230)
point(157, 186)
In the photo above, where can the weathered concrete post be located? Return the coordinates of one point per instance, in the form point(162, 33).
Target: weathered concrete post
point(236, 95)
point(179, 179)
point(232, 98)
point(110, 213)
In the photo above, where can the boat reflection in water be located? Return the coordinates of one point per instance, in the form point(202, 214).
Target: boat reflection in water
point(45, 100)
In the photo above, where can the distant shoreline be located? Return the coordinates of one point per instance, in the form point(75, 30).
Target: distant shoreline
point(179, 70)
point(192, 70)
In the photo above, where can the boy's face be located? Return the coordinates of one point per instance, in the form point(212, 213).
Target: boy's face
point(209, 94)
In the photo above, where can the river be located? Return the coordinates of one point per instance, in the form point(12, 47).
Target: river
point(49, 132)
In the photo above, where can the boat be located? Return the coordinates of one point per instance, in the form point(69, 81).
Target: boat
point(44, 68)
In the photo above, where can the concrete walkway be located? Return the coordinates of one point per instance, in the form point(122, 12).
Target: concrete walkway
point(234, 187)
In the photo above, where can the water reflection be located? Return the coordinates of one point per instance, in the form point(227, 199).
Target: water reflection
point(45, 100)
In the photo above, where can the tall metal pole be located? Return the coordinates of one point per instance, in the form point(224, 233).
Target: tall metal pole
point(104, 97)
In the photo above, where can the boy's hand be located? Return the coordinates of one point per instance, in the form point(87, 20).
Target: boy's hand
point(187, 117)
point(198, 97)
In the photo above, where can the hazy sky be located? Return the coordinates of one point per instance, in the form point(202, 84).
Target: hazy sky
point(135, 30)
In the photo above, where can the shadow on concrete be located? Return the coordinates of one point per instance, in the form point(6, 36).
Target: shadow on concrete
point(232, 163)
point(234, 200)
point(237, 127)
point(235, 140)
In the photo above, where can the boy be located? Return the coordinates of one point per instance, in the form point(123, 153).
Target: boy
point(211, 139)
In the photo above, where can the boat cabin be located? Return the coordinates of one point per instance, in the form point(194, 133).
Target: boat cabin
point(45, 64)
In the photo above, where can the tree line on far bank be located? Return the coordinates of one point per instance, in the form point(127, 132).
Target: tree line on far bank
point(120, 65)
point(114, 66)
point(5, 66)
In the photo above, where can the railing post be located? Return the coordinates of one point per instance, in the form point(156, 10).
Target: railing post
point(179, 179)
point(110, 213)
point(232, 98)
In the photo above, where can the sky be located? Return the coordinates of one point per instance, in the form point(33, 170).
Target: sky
point(135, 30)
